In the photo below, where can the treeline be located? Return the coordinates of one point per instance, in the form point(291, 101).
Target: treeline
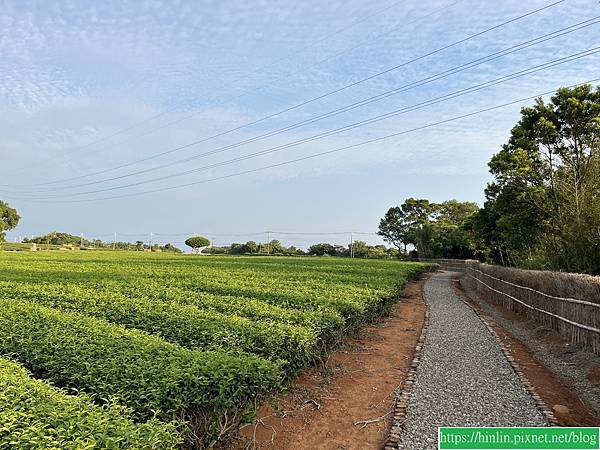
point(66, 239)
point(542, 210)
point(430, 230)
point(358, 249)
point(273, 247)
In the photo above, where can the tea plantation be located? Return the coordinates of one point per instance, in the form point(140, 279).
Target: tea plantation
point(143, 350)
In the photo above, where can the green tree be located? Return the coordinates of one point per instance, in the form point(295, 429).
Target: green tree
point(408, 224)
point(251, 247)
point(377, 252)
point(197, 242)
point(454, 212)
point(542, 208)
point(9, 219)
point(359, 249)
point(321, 249)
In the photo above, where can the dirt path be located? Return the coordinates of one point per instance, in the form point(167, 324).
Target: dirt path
point(347, 405)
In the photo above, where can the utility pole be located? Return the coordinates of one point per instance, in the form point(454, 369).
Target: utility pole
point(81, 244)
point(268, 242)
point(151, 241)
point(351, 245)
point(115, 242)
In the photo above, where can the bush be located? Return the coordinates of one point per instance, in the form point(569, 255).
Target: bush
point(144, 372)
point(183, 324)
point(34, 414)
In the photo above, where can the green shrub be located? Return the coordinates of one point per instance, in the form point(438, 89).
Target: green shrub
point(142, 371)
point(183, 324)
point(35, 415)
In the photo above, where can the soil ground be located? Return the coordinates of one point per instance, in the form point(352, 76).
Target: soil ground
point(547, 384)
point(347, 402)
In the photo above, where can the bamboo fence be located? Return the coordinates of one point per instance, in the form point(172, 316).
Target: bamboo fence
point(564, 302)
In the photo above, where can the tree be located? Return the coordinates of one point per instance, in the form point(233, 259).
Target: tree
point(454, 212)
point(541, 210)
point(359, 249)
point(197, 242)
point(321, 249)
point(251, 247)
point(407, 224)
point(9, 219)
point(275, 247)
point(170, 248)
point(434, 229)
point(394, 228)
point(450, 238)
point(377, 252)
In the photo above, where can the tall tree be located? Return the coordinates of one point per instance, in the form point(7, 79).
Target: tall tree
point(408, 224)
point(542, 207)
point(394, 228)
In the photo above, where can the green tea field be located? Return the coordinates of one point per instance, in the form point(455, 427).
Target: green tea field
point(145, 350)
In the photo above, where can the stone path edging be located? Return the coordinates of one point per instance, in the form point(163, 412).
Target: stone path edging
point(404, 393)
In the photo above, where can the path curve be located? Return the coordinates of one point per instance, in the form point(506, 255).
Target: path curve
point(463, 378)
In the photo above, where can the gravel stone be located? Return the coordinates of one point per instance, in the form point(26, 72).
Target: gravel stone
point(464, 378)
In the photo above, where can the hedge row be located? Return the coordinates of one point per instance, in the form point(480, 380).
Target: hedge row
point(142, 371)
point(35, 415)
point(183, 324)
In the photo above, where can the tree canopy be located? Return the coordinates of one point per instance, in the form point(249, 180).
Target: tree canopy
point(197, 242)
point(433, 229)
point(543, 208)
point(9, 219)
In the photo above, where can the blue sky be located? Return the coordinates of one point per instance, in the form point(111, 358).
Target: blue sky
point(89, 86)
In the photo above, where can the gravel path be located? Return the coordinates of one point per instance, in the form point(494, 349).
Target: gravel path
point(463, 378)
point(569, 362)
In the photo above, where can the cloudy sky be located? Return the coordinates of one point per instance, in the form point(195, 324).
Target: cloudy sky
point(183, 116)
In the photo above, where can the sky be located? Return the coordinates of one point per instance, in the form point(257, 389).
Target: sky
point(104, 107)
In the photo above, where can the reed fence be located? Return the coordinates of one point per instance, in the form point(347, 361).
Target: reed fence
point(565, 302)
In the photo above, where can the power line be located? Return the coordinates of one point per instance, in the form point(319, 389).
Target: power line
point(362, 123)
point(378, 97)
point(328, 152)
point(255, 89)
point(320, 97)
point(156, 116)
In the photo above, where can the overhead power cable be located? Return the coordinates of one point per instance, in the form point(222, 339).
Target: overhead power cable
point(362, 19)
point(345, 128)
point(369, 100)
point(255, 89)
point(314, 99)
point(316, 155)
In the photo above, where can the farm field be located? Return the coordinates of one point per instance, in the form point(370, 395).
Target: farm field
point(156, 343)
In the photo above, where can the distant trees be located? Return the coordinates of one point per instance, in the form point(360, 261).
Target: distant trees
point(9, 219)
point(322, 249)
point(435, 230)
point(60, 238)
point(360, 249)
point(57, 238)
point(197, 242)
point(274, 247)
